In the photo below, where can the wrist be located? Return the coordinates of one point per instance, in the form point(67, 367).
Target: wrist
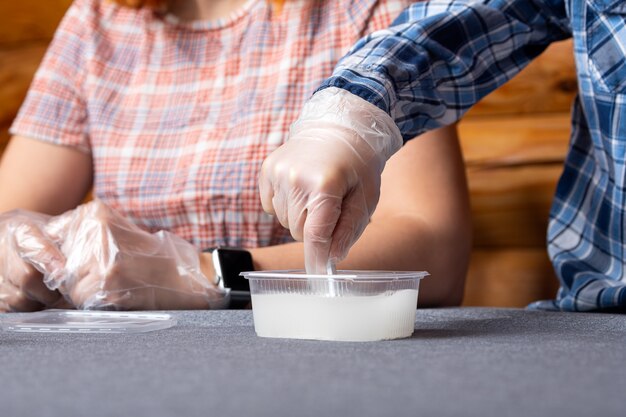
point(349, 111)
point(227, 265)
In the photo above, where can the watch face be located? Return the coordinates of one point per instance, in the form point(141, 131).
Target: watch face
point(232, 263)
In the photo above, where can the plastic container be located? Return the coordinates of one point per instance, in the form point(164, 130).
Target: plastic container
point(355, 306)
point(80, 321)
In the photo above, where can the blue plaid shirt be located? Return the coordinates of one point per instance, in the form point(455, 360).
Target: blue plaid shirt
point(441, 57)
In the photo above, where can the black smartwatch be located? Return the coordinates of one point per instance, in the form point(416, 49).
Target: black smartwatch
point(228, 263)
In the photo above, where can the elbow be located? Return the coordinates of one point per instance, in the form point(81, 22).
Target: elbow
point(456, 267)
point(417, 243)
point(453, 296)
point(445, 286)
point(448, 265)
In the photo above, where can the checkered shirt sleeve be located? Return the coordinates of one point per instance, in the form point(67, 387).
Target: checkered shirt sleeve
point(54, 110)
point(440, 58)
point(420, 72)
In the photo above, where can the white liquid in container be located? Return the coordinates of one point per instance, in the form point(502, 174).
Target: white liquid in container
point(355, 318)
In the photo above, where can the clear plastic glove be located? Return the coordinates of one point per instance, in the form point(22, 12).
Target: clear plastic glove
point(25, 252)
point(323, 184)
point(113, 264)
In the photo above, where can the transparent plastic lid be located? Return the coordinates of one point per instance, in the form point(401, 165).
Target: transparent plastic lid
point(76, 321)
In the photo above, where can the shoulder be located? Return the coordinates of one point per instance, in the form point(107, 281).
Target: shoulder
point(106, 16)
point(109, 34)
point(105, 38)
point(371, 15)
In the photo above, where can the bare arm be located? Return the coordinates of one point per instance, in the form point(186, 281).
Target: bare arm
point(43, 177)
point(422, 221)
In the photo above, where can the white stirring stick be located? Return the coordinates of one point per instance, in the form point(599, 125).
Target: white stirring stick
point(331, 270)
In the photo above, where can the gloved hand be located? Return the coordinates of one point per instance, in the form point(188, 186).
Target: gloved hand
point(26, 251)
point(113, 264)
point(323, 184)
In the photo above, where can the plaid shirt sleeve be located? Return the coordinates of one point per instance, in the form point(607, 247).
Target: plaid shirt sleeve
point(54, 109)
point(441, 57)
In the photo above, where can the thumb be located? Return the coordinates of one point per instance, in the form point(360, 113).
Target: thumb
point(36, 248)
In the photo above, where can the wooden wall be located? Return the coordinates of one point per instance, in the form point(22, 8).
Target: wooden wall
point(514, 143)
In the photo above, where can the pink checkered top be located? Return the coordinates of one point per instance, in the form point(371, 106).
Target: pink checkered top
point(179, 117)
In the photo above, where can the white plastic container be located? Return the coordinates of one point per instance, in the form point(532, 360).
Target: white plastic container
point(355, 306)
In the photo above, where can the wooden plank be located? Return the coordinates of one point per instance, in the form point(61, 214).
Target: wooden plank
point(515, 140)
point(509, 277)
point(510, 206)
point(30, 20)
point(547, 85)
point(513, 164)
point(16, 73)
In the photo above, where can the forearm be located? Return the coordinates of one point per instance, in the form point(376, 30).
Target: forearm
point(439, 59)
point(43, 177)
point(399, 243)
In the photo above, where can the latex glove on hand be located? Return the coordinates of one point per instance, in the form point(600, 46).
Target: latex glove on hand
point(323, 184)
point(25, 252)
point(113, 264)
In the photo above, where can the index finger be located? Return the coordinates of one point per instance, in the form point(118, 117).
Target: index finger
point(319, 226)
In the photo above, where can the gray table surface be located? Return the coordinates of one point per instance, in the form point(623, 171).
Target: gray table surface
point(459, 362)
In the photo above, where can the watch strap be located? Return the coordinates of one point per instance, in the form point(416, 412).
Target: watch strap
point(228, 263)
